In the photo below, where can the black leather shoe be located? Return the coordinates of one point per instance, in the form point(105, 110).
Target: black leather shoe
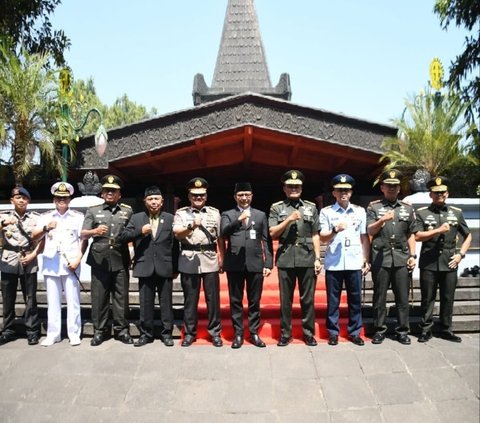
point(237, 342)
point(143, 340)
point(333, 340)
point(167, 340)
point(449, 336)
point(217, 341)
point(5, 339)
point(257, 341)
point(378, 338)
point(188, 340)
point(357, 340)
point(32, 339)
point(97, 340)
point(404, 339)
point(425, 336)
point(284, 341)
point(125, 338)
point(310, 341)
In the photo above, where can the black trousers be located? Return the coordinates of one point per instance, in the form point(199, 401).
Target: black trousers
point(236, 286)
point(191, 292)
point(28, 283)
point(148, 289)
point(398, 278)
point(106, 284)
point(429, 282)
point(306, 287)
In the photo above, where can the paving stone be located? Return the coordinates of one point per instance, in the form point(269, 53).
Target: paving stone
point(465, 411)
point(346, 392)
point(341, 362)
point(303, 394)
point(421, 412)
point(370, 415)
point(382, 360)
point(395, 388)
point(470, 373)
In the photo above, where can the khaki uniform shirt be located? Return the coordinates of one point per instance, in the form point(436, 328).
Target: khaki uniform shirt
point(15, 243)
point(197, 262)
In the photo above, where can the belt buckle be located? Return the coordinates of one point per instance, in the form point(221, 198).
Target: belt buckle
point(111, 241)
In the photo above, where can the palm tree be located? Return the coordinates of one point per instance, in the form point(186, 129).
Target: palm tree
point(28, 109)
point(430, 136)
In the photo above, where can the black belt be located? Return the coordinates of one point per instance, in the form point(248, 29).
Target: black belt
point(17, 248)
point(199, 247)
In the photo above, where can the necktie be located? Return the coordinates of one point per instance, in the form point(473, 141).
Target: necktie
point(154, 224)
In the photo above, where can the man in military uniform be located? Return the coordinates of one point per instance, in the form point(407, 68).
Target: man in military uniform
point(390, 223)
point(343, 228)
point(109, 259)
point(61, 259)
point(247, 261)
point(19, 262)
point(294, 222)
point(197, 227)
point(437, 227)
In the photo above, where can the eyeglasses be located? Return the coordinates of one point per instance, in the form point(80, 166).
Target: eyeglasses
point(198, 195)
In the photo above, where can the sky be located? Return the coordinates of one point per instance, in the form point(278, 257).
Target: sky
point(360, 58)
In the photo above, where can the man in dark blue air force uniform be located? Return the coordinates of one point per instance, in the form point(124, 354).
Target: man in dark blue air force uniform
point(294, 222)
point(109, 259)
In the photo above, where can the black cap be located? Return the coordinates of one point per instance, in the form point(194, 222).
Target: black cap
point(20, 191)
point(153, 190)
point(293, 177)
point(197, 186)
point(111, 181)
point(438, 183)
point(392, 176)
point(242, 186)
point(343, 181)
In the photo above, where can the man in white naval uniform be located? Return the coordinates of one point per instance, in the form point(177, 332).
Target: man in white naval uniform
point(61, 264)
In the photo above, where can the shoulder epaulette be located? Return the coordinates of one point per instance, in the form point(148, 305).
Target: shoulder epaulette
point(277, 203)
point(125, 205)
point(374, 202)
point(183, 208)
point(455, 208)
point(310, 202)
point(212, 208)
point(422, 208)
point(76, 212)
point(34, 213)
point(357, 206)
point(327, 207)
point(406, 203)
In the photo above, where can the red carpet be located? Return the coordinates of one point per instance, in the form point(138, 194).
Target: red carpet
point(270, 314)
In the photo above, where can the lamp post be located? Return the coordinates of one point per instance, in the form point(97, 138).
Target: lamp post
point(76, 122)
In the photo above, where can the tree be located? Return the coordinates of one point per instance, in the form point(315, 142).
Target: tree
point(28, 110)
point(430, 136)
point(27, 23)
point(465, 13)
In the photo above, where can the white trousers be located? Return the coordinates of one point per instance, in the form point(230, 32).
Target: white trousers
point(55, 286)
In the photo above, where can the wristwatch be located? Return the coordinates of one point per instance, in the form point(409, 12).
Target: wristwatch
point(462, 255)
point(190, 227)
point(414, 256)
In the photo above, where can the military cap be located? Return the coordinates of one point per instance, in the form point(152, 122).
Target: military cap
point(111, 181)
point(242, 186)
point(293, 177)
point(343, 181)
point(153, 190)
point(20, 191)
point(62, 189)
point(438, 183)
point(392, 176)
point(197, 186)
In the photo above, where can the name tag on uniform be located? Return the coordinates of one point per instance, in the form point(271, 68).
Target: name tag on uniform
point(253, 234)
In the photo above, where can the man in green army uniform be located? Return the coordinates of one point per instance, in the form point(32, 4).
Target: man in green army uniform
point(390, 223)
point(294, 222)
point(437, 227)
point(109, 259)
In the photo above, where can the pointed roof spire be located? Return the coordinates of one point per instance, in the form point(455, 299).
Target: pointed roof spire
point(241, 62)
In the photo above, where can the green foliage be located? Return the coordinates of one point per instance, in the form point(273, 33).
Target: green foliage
point(27, 23)
point(465, 69)
point(431, 136)
point(28, 108)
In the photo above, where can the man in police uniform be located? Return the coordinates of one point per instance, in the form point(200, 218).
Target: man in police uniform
point(247, 261)
point(19, 262)
point(109, 259)
point(197, 227)
point(437, 227)
point(390, 223)
point(343, 228)
point(294, 222)
point(61, 259)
